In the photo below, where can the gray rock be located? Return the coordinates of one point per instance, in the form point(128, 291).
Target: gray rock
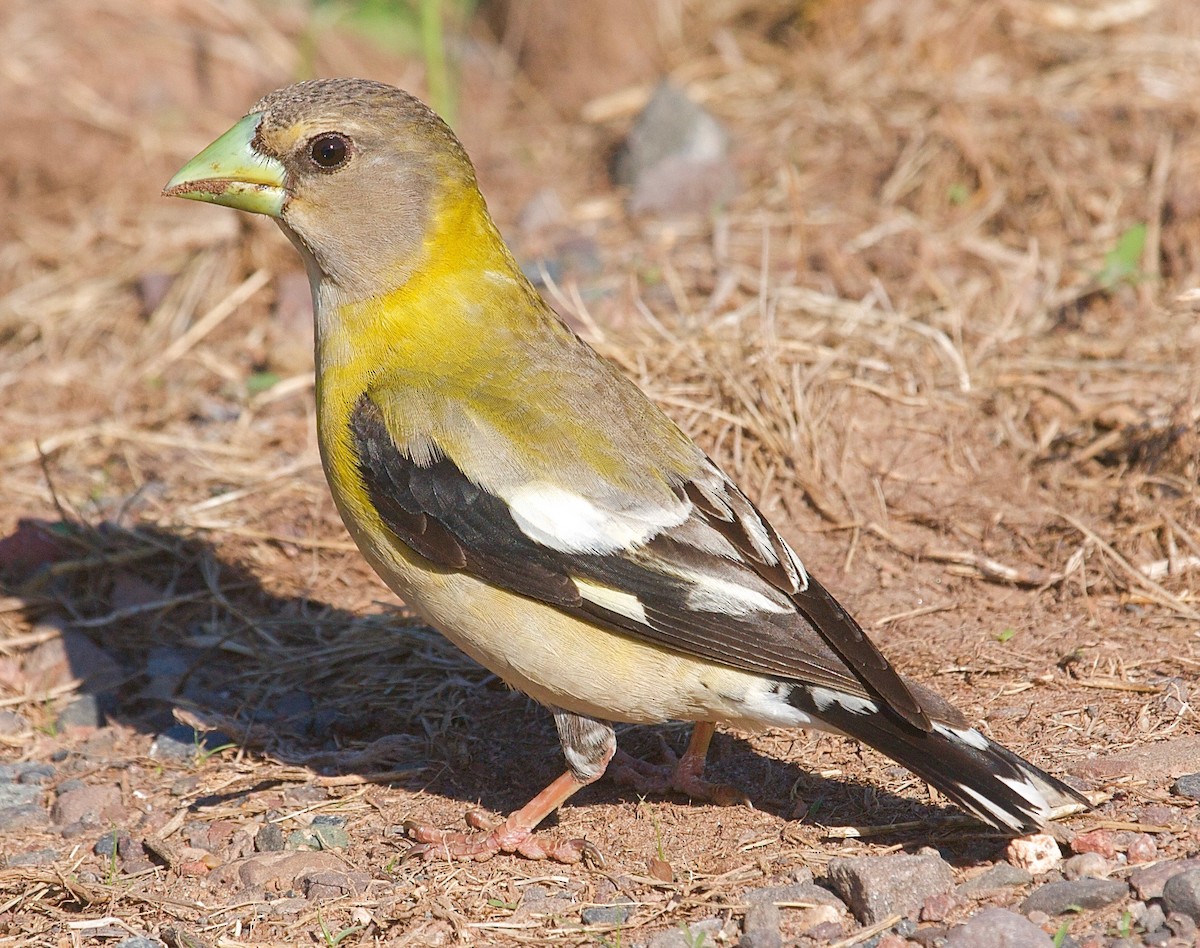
point(796, 892)
point(997, 879)
point(675, 937)
point(89, 806)
point(139, 941)
point(1148, 882)
point(1181, 894)
point(318, 836)
point(36, 857)
point(106, 845)
point(269, 839)
point(617, 913)
point(1055, 898)
point(1187, 786)
point(287, 907)
point(760, 927)
point(321, 885)
point(933, 936)
point(12, 723)
point(27, 816)
point(1150, 917)
point(534, 893)
point(1182, 926)
point(676, 157)
point(84, 711)
point(998, 928)
point(26, 772)
point(876, 887)
point(182, 743)
point(19, 794)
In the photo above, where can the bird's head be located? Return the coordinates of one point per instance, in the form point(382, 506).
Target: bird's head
point(356, 173)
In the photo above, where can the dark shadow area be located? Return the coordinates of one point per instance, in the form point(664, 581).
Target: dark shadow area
point(170, 639)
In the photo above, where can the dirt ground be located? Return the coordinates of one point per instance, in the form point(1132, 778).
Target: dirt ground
point(946, 334)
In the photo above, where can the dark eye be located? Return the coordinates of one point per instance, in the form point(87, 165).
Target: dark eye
point(329, 152)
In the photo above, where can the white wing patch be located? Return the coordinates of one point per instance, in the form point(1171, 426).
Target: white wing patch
point(968, 736)
point(710, 594)
point(622, 603)
point(801, 572)
point(999, 816)
point(1028, 791)
point(825, 698)
point(570, 523)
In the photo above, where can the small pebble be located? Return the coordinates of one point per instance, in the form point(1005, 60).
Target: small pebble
point(675, 159)
point(12, 723)
point(1160, 815)
point(1036, 854)
point(183, 743)
point(269, 839)
point(83, 712)
point(1150, 917)
point(1097, 841)
point(26, 816)
point(704, 932)
point(1182, 926)
point(818, 917)
point(19, 794)
point(185, 785)
point(36, 857)
point(1001, 876)
point(1187, 786)
point(936, 908)
point(1085, 866)
point(106, 845)
point(88, 806)
point(27, 772)
point(1141, 848)
point(139, 941)
point(617, 913)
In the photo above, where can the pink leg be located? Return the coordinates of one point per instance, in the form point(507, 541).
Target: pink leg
point(681, 774)
point(514, 835)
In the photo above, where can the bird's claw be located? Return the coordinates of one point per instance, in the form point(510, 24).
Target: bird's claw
point(430, 843)
point(678, 774)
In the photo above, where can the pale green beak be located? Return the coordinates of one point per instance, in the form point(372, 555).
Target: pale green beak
point(231, 172)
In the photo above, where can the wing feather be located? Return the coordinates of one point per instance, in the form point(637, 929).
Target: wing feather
point(755, 610)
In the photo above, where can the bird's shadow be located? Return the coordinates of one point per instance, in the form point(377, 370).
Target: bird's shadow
point(160, 628)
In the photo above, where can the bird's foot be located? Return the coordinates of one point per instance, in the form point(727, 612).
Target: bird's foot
point(488, 841)
point(681, 774)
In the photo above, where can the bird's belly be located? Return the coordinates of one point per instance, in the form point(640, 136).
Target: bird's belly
point(569, 663)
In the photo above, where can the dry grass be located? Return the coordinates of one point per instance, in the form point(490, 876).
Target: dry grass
point(901, 337)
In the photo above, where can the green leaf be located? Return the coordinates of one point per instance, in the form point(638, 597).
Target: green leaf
point(261, 381)
point(1123, 264)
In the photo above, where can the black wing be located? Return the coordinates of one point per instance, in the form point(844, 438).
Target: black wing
point(802, 634)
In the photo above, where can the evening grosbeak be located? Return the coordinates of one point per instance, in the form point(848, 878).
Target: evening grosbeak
point(518, 492)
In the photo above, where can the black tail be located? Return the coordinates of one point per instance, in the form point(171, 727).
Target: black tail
point(984, 778)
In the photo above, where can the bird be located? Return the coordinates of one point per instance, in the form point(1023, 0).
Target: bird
point(530, 502)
